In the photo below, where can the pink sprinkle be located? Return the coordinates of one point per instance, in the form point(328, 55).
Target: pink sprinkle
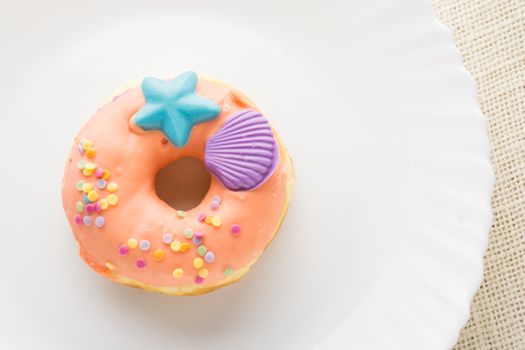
point(235, 229)
point(99, 172)
point(214, 205)
point(78, 220)
point(123, 250)
point(201, 217)
point(141, 263)
point(96, 207)
point(199, 234)
point(199, 280)
point(90, 208)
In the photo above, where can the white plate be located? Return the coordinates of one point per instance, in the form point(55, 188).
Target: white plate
point(382, 247)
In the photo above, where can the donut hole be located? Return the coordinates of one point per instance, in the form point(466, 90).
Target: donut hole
point(183, 184)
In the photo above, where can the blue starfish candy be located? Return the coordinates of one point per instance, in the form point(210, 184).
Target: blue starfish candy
point(174, 108)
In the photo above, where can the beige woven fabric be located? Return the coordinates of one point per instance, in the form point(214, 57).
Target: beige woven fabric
point(491, 37)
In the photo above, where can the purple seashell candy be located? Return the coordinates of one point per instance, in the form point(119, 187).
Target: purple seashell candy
point(243, 153)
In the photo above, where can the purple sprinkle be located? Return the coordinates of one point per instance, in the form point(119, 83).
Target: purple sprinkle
point(101, 184)
point(90, 208)
point(88, 220)
point(80, 149)
point(123, 250)
point(235, 229)
point(199, 234)
point(78, 220)
point(209, 257)
point(214, 205)
point(99, 221)
point(216, 199)
point(141, 263)
point(97, 207)
point(199, 280)
point(167, 238)
point(196, 240)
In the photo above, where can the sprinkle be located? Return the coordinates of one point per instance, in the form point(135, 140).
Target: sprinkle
point(184, 247)
point(106, 174)
point(85, 198)
point(201, 217)
point(86, 144)
point(99, 221)
point(88, 220)
point(175, 246)
point(214, 205)
point(203, 272)
point(209, 257)
point(201, 250)
point(123, 250)
point(80, 149)
point(198, 263)
point(159, 254)
point(216, 221)
point(228, 271)
point(87, 187)
point(99, 172)
point(90, 166)
point(91, 152)
point(199, 280)
point(141, 263)
point(97, 207)
point(167, 238)
point(188, 233)
point(80, 185)
point(112, 199)
point(80, 206)
point(208, 220)
point(199, 234)
point(235, 229)
point(78, 220)
point(144, 245)
point(92, 195)
point(178, 272)
point(216, 199)
point(103, 203)
point(132, 243)
point(90, 208)
point(196, 240)
point(112, 187)
point(80, 164)
point(181, 213)
point(101, 184)
point(87, 172)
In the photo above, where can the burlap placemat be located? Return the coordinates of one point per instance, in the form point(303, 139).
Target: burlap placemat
point(491, 37)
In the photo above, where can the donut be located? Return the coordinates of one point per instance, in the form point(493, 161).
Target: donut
point(127, 233)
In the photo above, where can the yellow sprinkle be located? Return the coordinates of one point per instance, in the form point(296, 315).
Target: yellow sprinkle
point(184, 247)
point(91, 152)
point(87, 187)
point(112, 199)
point(175, 246)
point(178, 272)
point(92, 195)
point(159, 255)
point(105, 174)
point(103, 203)
point(203, 272)
point(110, 266)
point(112, 187)
point(208, 220)
point(90, 166)
point(132, 243)
point(87, 172)
point(87, 145)
point(216, 221)
point(198, 263)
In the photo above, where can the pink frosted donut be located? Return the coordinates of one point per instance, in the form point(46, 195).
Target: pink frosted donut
point(127, 233)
